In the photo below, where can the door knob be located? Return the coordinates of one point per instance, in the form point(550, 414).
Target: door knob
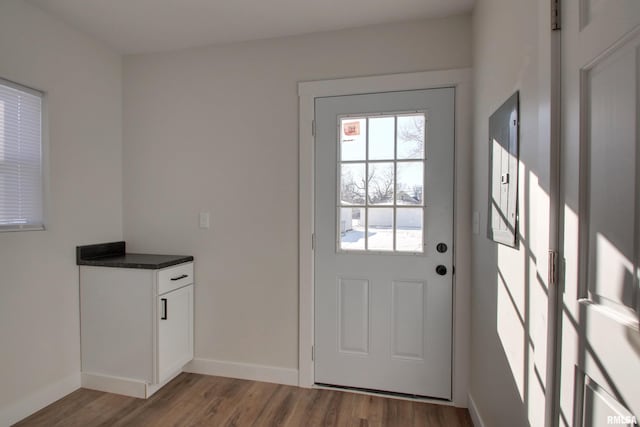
point(442, 248)
point(441, 270)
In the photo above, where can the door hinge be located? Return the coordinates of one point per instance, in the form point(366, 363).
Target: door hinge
point(555, 15)
point(313, 353)
point(313, 128)
point(313, 241)
point(553, 268)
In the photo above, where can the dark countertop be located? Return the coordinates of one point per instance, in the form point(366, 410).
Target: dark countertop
point(114, 255)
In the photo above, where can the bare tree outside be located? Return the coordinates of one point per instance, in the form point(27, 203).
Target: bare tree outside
point(411, 137)
point(381, 182)
point(353, 186)
point(379, 185)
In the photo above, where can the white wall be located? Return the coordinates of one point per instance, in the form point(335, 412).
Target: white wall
point(215, 129)
point(39, 325)
point(509, 304)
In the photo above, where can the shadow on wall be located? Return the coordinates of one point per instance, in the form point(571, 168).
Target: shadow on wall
point(520, 294)
point(514, 292)
point(514, 288)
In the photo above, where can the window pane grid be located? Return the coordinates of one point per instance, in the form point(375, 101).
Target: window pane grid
point(391, 217)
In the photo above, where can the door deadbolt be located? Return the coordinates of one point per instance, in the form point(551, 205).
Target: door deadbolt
point(442, 248)
point(441, 270)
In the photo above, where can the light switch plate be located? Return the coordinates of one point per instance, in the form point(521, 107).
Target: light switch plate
point(204, 219)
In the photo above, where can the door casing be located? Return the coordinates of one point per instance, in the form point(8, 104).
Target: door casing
point(307, 92)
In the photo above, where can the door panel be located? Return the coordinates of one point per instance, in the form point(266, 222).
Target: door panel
point(353, 323)
point(612, 119)
point(600, 406)
point(407, 332)
point(600, 339)
point(384, 200)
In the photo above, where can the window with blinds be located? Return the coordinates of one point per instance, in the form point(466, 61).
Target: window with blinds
point(21, 178)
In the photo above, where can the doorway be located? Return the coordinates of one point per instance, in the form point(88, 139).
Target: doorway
point(308, 93)
point(384, 241)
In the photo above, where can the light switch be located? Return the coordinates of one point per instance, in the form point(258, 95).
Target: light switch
point(204, 219)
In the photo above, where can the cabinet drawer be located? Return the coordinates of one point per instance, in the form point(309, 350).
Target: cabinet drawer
point(175, 277)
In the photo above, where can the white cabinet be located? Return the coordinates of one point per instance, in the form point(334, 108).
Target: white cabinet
point(136, 327)
point(175, 344)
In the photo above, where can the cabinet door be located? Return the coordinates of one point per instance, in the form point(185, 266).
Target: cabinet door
point(175, 331)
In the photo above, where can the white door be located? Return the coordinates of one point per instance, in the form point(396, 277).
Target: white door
point(600, 342)
point(175, 331)
point(384, 202)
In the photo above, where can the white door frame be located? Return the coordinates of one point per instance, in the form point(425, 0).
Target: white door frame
point(307, 92)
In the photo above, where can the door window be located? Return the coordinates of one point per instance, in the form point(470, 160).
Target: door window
point(381, 167)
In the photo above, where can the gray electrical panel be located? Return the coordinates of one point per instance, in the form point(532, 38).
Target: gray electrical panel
point(502, 224)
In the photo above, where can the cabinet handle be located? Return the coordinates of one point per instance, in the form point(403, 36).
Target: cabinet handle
point(164, 309)
point(179, 277)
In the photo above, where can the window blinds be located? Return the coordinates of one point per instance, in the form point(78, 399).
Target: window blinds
point(21, 183)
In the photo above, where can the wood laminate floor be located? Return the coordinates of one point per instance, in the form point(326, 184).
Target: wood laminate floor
point(200, 400)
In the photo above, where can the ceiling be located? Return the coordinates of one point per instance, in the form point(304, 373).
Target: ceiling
point(140, 26)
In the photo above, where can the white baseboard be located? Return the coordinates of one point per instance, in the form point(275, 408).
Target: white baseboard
point(45, 396)
point(475, 415)
point(245, 371)
point(125, 386)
